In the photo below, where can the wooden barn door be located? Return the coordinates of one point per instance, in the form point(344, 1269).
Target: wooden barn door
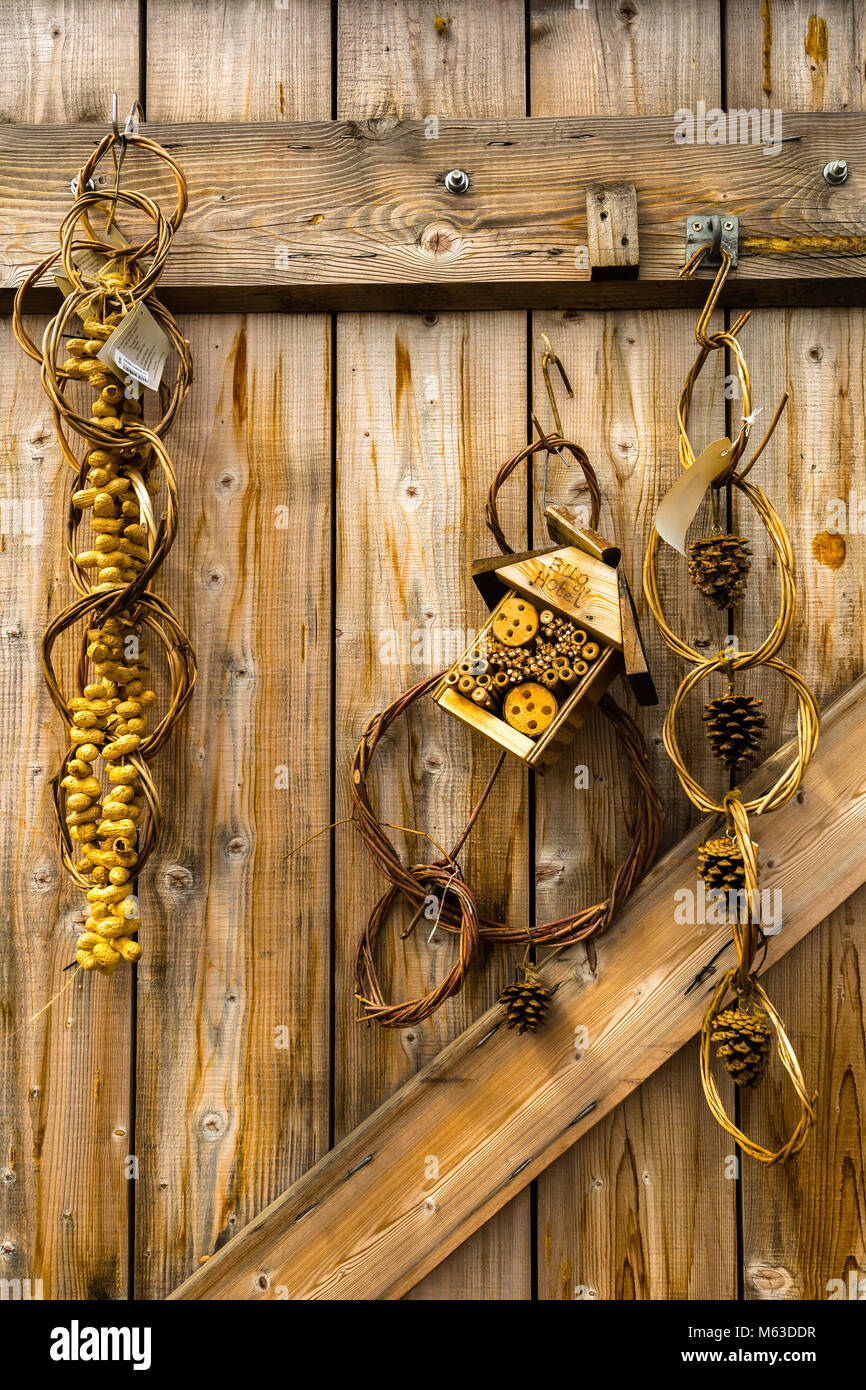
point(232, 1062)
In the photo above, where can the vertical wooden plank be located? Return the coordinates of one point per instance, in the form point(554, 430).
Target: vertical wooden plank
point(233, 1039)
point(239, 60)
point(803, 1225)
point(61, 62)
point(641, 1207)
point(622, 58)
point(428, 405)
point(797, 56)
point(410, 60)
point(64, 1078)
point(625, 1213)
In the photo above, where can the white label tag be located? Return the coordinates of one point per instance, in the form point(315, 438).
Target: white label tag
point(138, 347)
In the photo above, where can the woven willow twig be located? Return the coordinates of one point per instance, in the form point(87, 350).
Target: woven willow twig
point(742, 979)
point(551, 443)
point(412, 882)
point(107, 832)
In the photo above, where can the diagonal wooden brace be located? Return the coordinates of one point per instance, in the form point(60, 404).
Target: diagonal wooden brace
point(496, 1109)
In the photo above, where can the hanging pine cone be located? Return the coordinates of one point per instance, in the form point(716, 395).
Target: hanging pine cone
point(744, 1043)
point(719, 566)
point(735, 727)
point(720, 865)
point(525, 1002)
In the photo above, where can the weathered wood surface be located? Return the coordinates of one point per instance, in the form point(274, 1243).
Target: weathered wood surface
point(366, 1222)
point(233, 1068)
point(424, 405)
point(803, 1227)
point(239, 60)
point(354, 213)
point(616, 59)
point(65, 1118)
point(642, 1207)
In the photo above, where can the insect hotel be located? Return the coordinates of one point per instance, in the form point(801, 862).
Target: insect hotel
point(562, 629)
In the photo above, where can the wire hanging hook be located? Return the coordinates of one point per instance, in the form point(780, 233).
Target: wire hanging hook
point(122, 138)
point(136, 114)
point(548, 359)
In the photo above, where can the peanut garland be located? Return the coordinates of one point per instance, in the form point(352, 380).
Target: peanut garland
point(719, 567)
point(107, 825)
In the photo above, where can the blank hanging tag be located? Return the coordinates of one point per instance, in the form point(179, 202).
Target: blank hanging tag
point(678, 507)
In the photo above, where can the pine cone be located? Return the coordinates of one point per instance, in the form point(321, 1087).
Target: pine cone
point(525, 1002)
point(719, 566)
point(744, 1043)
point(735, 727)
point(720, 865)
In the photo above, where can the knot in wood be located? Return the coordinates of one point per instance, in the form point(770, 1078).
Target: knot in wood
point(772, 1281)
point(439, 240)
point(213, 1124)
point(178, 879)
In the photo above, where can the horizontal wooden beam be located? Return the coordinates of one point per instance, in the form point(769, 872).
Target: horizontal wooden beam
point(356, 214)
point(494, 1109)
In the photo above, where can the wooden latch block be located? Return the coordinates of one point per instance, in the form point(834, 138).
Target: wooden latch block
point(611, 226)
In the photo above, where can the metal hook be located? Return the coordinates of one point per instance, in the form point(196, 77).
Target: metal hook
point(549, 358)
point(714, 225)
point(136, 114)
point(121, 138)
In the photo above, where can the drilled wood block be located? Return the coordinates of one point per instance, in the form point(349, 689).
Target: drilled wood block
point(611, 230)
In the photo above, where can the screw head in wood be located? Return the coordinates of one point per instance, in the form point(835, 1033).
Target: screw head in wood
point(457, 181)
point(836, 171)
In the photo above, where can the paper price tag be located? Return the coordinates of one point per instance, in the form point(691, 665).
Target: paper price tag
point(138, 348)
point(678, 507)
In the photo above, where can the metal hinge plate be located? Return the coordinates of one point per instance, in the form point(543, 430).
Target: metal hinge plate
point(716, 232)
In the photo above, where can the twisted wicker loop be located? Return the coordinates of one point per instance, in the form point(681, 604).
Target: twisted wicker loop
point(748, 939)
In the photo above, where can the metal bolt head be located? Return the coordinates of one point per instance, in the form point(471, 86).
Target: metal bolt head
point(836, 171)
point(456, 181)
point(90, 186)
point(728, 226)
